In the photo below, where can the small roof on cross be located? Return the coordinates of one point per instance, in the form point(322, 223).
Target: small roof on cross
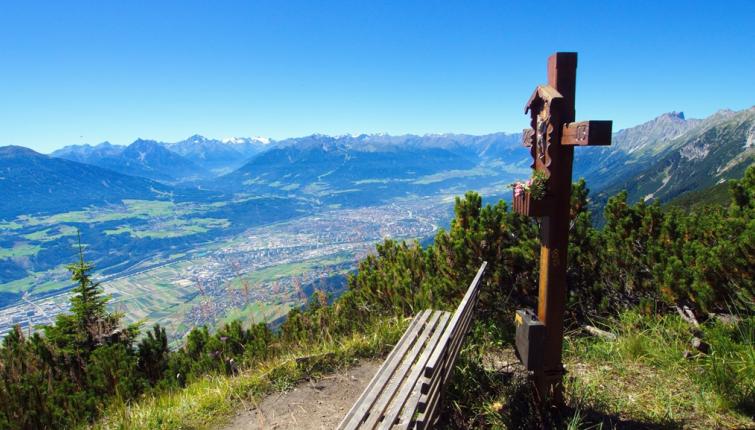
point(543, 93)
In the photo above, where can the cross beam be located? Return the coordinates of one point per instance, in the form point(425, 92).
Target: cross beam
point(587, 133)
point(552, 138)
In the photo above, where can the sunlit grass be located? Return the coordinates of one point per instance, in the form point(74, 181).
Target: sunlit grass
point(640, 380)
point(210, 400)
point(644, 375)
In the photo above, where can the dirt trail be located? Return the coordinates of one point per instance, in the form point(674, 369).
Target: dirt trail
point(311, 405)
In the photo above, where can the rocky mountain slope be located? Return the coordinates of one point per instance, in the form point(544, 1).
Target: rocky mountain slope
point(187, 160)
point(709, 152)
point(632, 149)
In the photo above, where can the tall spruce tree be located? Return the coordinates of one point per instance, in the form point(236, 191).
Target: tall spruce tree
point(88, 303)
point(89, 322)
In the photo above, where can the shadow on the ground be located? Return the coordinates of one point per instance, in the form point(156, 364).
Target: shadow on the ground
point(520, 410)
point(596, 419)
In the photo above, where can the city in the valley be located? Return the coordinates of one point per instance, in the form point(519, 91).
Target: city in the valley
point(258, 275)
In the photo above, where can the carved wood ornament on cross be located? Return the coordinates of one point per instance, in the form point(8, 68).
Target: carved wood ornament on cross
point(552, 136)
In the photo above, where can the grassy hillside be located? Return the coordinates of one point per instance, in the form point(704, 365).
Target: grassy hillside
point(210, 400)
point(716, 195)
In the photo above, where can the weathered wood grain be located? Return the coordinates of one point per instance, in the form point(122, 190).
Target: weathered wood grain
point(355, 417)
point(407, 390)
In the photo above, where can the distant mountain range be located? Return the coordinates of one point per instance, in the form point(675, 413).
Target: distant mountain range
point(351, 170)
point(659, 159)
point(368, 169)
point(193, 159)
point(218, 156)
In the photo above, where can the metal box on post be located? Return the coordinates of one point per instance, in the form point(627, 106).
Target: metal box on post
point(530, 339)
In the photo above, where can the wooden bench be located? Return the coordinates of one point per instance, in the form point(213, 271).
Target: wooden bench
point(406, 390)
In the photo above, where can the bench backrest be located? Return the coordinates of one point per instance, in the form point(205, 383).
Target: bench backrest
point(441, 363)
point(405, 391)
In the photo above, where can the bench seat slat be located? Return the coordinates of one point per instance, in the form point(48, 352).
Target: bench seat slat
point(389, 391)
point(412, 382)
point(357, 413)
point(458, 340)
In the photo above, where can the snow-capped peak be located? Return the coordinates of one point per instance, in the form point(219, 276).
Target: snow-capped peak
point(241, 140)
point(233, 140)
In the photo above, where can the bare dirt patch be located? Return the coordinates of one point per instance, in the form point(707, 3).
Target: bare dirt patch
point(311, 405)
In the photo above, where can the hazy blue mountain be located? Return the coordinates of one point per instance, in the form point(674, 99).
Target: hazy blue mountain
point(489, 146)
point(365, 169)
point(360, 169)
point(33, 183)
point(218, 156)
point(86, 153)
point(144, 158)
point(150, 159)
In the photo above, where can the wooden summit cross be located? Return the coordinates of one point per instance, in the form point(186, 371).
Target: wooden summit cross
point(552, 138)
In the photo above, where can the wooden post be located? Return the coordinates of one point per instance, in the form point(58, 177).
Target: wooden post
point(554, 236)
point(552, 137)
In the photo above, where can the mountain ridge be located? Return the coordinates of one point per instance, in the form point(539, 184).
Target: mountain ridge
point(33, 183)
point(718, 148)
point(335, 163)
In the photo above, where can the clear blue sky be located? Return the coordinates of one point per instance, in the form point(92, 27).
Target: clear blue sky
point(117, 70)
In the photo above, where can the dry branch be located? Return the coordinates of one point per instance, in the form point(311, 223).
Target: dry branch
point(599, 333)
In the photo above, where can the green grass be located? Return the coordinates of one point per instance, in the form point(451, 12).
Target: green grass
point(644, 376)
point(316, 189)
point(119, 230)
point(51, 285)
point(50, 234)
point(453, 174)
point(39, 282)
point(10, 225)
point(90, 216)
point(290, 269)
point(151, 208)
point(19, 285)
point(22, 249)
point(129, 209)
point(290, 187)
point(210, 401)
point(257, 312)
point(171, 228)
point(377, 181)
point(640, 380)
